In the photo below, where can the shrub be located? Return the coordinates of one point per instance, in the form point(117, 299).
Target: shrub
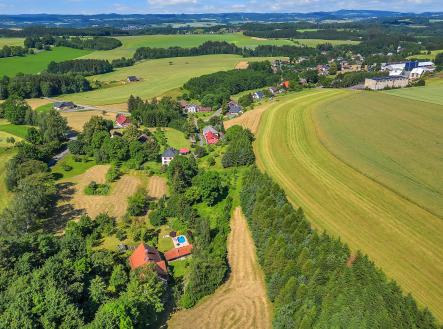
point(113, 173)
point(97, 189)
point(138, 204)
point(66, 167)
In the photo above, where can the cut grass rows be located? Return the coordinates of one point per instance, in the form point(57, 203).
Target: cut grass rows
point(402, 238)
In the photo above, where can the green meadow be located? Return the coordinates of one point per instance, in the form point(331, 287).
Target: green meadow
point(158, 77)
point(131, 43)
point(11, 42)
point(36, 63)
point(431, 93)
point(365, 167)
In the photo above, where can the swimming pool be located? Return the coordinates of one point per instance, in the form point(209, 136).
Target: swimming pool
point(181, 239)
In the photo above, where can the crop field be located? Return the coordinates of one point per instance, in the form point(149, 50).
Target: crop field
point(158, 77)
point(36, 63)
point(432, 92)
point(131, 43)
point(11, 42)
point(250, 119)
point(242, 301)
point(76, 120)
point(157, 187)
point(343, 156)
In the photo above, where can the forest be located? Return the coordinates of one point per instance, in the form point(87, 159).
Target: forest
point(216, 89)
point(42, 85)
point(83, 67)
point(312, 279)
point(94, 43)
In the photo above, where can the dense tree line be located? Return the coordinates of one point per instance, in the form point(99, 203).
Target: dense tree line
point(239, 151)
point(94, 43)
point(42, 85)
point(216, 88)
point(310, 277)
point(353, 78)
point(221, 47)
point(53, 281)
point(122, 62)
point(83, 67)
point(96, 141)
point(289, 31)
point(11, 51)
point(165, 112)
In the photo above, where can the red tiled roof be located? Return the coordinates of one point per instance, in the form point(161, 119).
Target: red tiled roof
point(285, 84)
point(145, 254)
point(178, 252)
point(211, 138)
point(121, 119)
point(184, 151)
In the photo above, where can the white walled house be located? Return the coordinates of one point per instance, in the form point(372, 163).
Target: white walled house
point(168, 155)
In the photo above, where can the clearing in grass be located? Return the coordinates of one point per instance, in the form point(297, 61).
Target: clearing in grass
point(158, 77)
point(242, 301)
point(39, 62)
point(402, 238)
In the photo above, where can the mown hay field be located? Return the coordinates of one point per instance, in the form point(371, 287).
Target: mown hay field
point(432, 92)
point(250, 119)
point(157, 78)
point(400, 235)
point(11, 42)
point(241, 302)
point(36, 63)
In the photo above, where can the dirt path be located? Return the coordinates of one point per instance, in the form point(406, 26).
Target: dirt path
point(241, 302)
point(250, 119)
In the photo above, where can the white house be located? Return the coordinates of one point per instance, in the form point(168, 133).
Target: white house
point(168, 155)
point(416, 73)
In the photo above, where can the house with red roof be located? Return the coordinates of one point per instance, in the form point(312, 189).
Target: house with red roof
point(211, 135)
point(285, 84)
point(122, 121)
point(184, 151)
point(144, 255)
point(179, 252)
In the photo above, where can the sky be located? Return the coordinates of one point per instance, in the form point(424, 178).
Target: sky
point(208, 6)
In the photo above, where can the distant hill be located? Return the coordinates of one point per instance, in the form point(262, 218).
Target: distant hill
point(136, 20)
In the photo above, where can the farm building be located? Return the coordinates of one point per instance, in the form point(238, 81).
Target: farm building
point(345, 67)
point(144, 255)
point(234, 108)
point(285, 84)
point(168, 155)
point(211, 135)
point(122, 121)
point(177, 253)
point(386, 82)
point(62, 106)
point(132, 78)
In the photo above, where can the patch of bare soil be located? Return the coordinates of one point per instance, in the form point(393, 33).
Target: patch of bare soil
point(242, 301)
point(243, 65)
point(249, 119)
point(157, 187)
point(76, 120)
point(37, 102)
point(114, 204)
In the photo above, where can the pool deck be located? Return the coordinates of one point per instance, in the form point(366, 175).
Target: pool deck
point(177, 244)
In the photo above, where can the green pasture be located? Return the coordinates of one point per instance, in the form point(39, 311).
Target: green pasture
point(365, 167)
point(78, 168)
point(158, 77)
point(15, 130)
point(430, 56)
point(432, 92)
point(36, 63)
point(316, 42)
point(131, 43)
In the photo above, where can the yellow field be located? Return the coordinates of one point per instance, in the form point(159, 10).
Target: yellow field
point(240, 303)
point(403, 238)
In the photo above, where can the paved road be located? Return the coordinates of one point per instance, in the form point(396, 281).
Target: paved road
point(64, 152)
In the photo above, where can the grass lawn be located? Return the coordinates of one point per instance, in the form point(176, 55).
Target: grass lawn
point(363, 166)
point(4, 136)
point(158, 77)
point(164, 243)
point(180, 267)
point(44, 108)
point(78, 168)
point(426, 56)
point(11, 42)
point(36, 63)
point(16, 130)
point(432, 92)
point(5, 196)
point(176, 138)
point(131, 43)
